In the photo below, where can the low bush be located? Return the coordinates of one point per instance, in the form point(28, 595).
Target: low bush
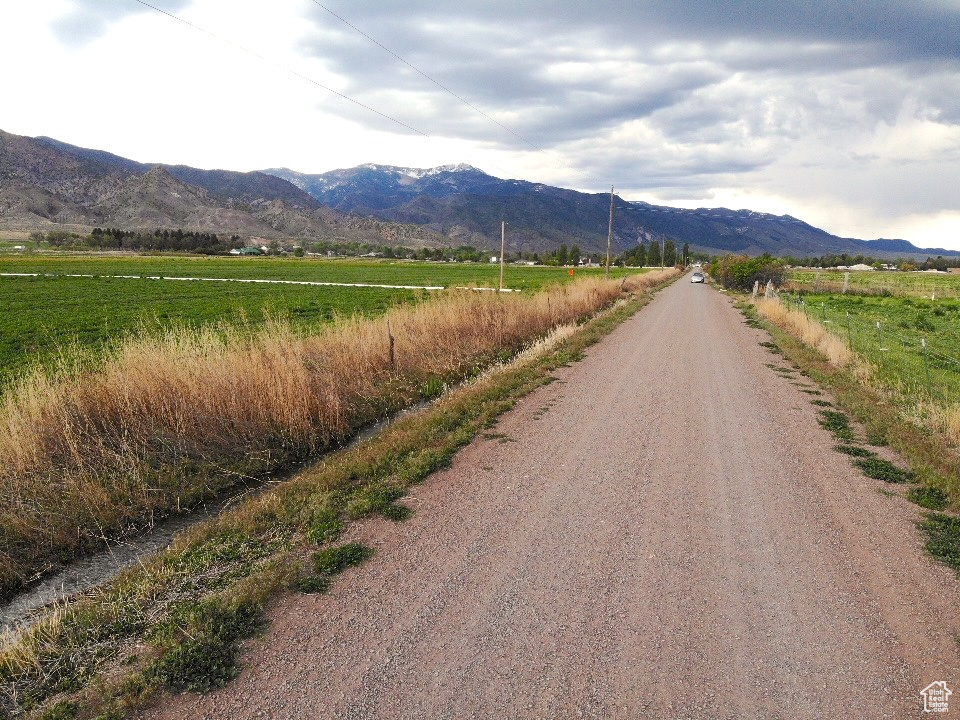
point(929, 497)
point(943, 538)
point(739, 272)
point(880, 469)
point(855, 451)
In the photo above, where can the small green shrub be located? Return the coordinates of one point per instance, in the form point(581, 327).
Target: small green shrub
point(855, 451)
point(928, 497)
point(313, 584)
point(837, 423)
point(329, 562)
point(205, 656)
point(326, 526)
point(885, 470)
point(822, 403)
point(943, 538)
point(334, 560)
point(395, 512)
point(373, 499)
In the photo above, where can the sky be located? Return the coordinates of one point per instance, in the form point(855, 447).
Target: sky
point(843, 114)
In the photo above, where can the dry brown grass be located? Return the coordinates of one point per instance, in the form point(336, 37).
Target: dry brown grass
point(809, 331)
point(167, 419)
point(952, 422)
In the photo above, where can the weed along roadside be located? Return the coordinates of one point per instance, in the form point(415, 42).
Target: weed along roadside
point(933, 478)
point(175, 621)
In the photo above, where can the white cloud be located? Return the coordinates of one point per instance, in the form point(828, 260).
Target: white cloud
point(847, 116)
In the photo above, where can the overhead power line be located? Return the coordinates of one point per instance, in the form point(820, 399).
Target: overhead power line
point(285, 68)
point(300, 75)
point(447, 90)
point(354, 101)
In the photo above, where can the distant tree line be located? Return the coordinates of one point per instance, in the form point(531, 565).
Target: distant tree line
point(170, 240)
point(656, 253)
point(158, 240)
point(563, 255)
point(843, 259)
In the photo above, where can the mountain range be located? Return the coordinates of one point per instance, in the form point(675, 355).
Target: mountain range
point(46, 184)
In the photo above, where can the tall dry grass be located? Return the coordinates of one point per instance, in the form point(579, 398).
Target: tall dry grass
point(809, 331)
point(167, 419)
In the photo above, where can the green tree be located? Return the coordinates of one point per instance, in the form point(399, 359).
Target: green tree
point(563, 254)
point(640, 255)
point(686, 254)
point(739, 272)
point(669, 253)
point(575, 254)
point(653, 254)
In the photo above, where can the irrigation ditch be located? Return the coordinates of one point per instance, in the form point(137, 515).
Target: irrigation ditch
point(57, 584)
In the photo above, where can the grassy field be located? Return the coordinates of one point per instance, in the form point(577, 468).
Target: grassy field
point(396, 272)
point(896, 348)
point(915, 284)
point(44, 314)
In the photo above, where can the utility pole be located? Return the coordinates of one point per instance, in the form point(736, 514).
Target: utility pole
point(610, 232)
point(503, 244)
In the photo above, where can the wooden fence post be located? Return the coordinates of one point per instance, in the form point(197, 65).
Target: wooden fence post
point(393, 359)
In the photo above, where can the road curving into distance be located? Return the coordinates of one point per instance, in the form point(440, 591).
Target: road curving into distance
point(665, 532)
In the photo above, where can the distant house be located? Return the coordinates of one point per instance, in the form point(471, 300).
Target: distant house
point(861, 266)
point(250, 251)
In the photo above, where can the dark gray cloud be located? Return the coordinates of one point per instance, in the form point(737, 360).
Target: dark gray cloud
point(563, 70)
point(897, 29)
point(89, 19)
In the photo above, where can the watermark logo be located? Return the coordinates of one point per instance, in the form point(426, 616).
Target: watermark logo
point(936, 697)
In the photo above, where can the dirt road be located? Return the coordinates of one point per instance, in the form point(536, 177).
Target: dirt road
point(665, 533)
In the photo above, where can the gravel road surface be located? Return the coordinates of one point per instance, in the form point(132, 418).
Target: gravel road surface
point(665, 532)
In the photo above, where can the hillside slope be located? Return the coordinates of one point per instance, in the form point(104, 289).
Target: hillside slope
point(46, 184)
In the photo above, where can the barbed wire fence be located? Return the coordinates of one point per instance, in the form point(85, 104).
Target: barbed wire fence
point(934, 287)
point(923, 361)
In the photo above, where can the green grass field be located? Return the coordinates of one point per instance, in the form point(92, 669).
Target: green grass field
point(396, 272)
point(896, 347)
point(916, 284)
point(43, 314)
